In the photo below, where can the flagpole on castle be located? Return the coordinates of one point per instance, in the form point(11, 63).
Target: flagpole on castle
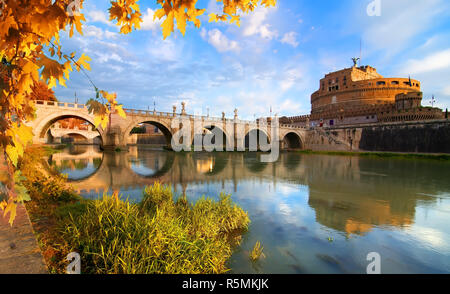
point(432, 101)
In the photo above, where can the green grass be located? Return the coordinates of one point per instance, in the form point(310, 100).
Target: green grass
point(159, 235)
point(381, 154)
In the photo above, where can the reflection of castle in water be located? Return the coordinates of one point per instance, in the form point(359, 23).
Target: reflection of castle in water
point(348, 194)
point(354, 195)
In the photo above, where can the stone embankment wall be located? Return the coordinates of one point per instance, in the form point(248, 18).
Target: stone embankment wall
point(146, 139)
point(421, 137)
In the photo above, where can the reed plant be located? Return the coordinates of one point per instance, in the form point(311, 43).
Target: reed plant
point(257, 252)
point(159, 235)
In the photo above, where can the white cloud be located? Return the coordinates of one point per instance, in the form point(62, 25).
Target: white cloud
point(433, 62)
point(148, 24)
point(111, 35)
point(221, 42)
point(290, 39)
point(164, 50)
point(94, 31)
point(99, 16)
point(254, 24)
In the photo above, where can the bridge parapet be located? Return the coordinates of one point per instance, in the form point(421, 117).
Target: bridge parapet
point(67, 105)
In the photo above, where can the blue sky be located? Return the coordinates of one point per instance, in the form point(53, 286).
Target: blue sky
point(276, 58)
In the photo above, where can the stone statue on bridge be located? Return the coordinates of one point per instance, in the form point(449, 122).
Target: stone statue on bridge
point(183, 108)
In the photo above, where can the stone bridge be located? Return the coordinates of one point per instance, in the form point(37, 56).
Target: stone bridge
point(58, 132)
point(117, 135)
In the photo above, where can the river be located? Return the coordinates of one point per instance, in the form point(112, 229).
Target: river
point(311, 213)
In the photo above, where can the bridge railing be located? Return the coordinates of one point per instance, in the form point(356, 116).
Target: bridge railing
point(61, 104)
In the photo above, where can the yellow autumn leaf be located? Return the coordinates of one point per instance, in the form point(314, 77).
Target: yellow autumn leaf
point(213, 17)
point(120, 111)
point(268, 3)
point(12, 209)
point(25, 134)
point(236, 19)
point(97, 120)
point(82, 61)
point(104, 122)
point(167, 25)
point(3, 205)
point(12, 153)
point(180, 16)
point(111, 97)
point(159, 14)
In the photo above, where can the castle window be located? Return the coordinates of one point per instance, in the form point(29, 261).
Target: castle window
point(381, 83)
point(395, 83)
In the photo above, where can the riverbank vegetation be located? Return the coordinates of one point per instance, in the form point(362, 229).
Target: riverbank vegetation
point(381, 154)
point(160, 234)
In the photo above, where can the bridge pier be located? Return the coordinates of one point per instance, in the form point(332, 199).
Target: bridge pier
point(113, 142)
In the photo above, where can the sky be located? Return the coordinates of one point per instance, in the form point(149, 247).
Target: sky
point(275, 59)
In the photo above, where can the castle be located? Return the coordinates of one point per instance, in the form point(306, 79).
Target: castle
point(360, 95)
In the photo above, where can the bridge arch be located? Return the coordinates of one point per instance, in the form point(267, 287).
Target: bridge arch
point(44, 125)
point(162, 126)
point(258, 132)
point(74, 136)
point(227, 138)
point(292, 140)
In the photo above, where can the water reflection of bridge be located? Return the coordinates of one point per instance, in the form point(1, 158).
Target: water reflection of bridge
point(348, 194)
point(129, 170)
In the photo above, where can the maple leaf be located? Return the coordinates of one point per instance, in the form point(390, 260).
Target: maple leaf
point(120, 111)
point(213, 17)
point(51, 70)
point(82, 61)
point(11, 208)
point(167, 25)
